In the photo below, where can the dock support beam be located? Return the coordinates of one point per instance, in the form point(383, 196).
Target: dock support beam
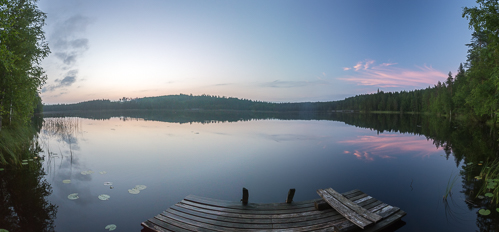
point(245, 196)
point(291, 194)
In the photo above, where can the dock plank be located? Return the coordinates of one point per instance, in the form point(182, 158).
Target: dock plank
point(343, 210)
point(359, 210)
point(196, 213)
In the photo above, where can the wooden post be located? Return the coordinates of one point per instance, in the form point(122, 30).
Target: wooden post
point(291, 194)
point(245, 196)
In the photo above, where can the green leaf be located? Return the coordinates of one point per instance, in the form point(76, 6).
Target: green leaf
point(484, 212)
point(66, 181)
point(104, 197)
point(489, 194)
point(73, 196)
point(134, 191)
point(3, 230)
point(1, 169)
point(110, 227)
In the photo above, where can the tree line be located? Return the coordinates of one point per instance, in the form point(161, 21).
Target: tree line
point(189, 102)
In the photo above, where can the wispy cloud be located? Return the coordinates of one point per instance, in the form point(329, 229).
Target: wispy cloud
point(68, 44)
point(292, 84)
point(386, 75)
point(68, 80)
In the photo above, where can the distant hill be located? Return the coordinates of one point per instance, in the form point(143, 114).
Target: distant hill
point(189, 102)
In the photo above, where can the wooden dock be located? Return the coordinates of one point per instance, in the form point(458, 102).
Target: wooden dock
point(350, 211)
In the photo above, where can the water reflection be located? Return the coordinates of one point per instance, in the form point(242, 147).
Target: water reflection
point(388, 146)
point(24, 191)
point(195, 151)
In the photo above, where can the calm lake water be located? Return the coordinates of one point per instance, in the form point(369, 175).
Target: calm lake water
point(405, 161)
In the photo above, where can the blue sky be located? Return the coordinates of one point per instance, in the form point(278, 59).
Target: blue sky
point(280, 51)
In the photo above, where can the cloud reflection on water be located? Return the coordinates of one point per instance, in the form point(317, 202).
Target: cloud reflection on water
point(388, 146)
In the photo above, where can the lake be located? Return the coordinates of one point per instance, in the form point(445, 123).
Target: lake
point(404, 160)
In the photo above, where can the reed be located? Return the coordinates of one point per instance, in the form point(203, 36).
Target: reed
point(450, 185)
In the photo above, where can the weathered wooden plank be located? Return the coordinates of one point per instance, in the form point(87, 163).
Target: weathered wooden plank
point(330, 225)
point(387, 222)
point(384, 213)
point(222, 218)
point(344, 210)
point(249, 206)
point(249, 211)
point(181, 223)
point(161, 226)
point(216, 222)
point(188, 223)
point(359, 210)
point(324, 217)
point(286, 218)
point(151, 227)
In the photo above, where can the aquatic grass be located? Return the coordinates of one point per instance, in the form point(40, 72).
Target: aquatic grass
point(450, 185)
point(489, 174)
point(15, 143)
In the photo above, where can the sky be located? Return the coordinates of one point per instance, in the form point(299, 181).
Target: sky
point(277, 51)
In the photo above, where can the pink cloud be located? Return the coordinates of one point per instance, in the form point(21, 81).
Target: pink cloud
point(346, 68)
point(385, 75)
point(388, 146)
point(387, 64)
point(366, 65)
point(357, 66)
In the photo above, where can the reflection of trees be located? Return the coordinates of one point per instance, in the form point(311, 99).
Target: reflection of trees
point(23, 193)
point(64, 129)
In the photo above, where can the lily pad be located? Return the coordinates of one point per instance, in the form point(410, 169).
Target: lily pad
point(478, 177)
point(484, 212)
point(84, 173)
point(104, 197)
point(497, 209)
point(24, 163)
point(481, 162)
point(103, 172)
point(30, 159)
point(108, 183)
point(1, 169)
point(134, 191)
point(73, 196)
point(110, 227)
point(140, 187)
point(480, 197)
point(470, 163)
point(489, 194)
point(66, 181)
point(90, 172)
point(3, 230)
